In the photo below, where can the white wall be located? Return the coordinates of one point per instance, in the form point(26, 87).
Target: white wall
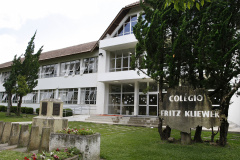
point(234, 110)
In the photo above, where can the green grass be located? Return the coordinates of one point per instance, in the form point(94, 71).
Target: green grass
point(14, 118)
point(120, 142)
point(140, 143)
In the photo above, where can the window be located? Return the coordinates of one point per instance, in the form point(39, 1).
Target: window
point(121, 99)
point(90, 65)
point(88, 95)
point(148, 102)
point(3, 97)
point(46, 94)
point(127, 27)
point(29, 98)
point(70, 68)
point(5, 76)
point(49, 71)
point(121, 60)
point(68, 96)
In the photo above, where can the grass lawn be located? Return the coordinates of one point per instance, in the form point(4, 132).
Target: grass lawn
point(120, 142)
point(14, 118)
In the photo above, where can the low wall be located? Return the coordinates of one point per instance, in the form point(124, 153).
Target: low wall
point(89, 145)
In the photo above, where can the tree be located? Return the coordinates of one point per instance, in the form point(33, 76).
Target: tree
point(182, 5)
point(11, 81)
point(155, 40)
point(220, 43)
point(27, 72)
point(197, 48)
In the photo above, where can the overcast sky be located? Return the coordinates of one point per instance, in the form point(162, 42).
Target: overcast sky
point(59, 23)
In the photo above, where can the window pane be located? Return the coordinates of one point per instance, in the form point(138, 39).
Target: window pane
point(128, 87)
point(153, 99)
point(153, 110)
point(127, 29)
point(115, 88)
point(142, 86)
point(142, 110)
point(115, 99)
point(153, 87)
point(120, 32)
point(134, 18)
point(142, 99)
point(128, 110)
point(127, 99)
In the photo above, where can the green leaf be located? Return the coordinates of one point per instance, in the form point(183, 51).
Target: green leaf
point(202, 2)
point(189, 5)
point(176, 7)
point(198, 6)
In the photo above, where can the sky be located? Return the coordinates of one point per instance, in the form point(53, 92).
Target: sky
point(59, 23)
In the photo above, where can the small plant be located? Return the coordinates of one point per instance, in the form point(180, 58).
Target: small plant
point(77, 131)
point(58, 154)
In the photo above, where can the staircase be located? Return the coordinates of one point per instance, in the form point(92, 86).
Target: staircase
point(124, 120)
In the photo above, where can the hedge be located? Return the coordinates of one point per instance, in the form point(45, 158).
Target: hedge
point(13, 109)
point(67, 112)
point(23, 109)
point(29, 110)
point(3, 108)
point(37, 111)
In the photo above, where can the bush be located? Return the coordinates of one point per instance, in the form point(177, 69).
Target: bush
point(29, 110)
point(37, 111)
point(13, 109)
point(23, 109)
point(67, 112)
point(3, 109)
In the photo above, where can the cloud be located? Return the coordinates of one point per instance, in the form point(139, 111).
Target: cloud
point(15, 13)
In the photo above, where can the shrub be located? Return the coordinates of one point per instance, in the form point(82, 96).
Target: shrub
point(29, 110)
point(3, 108)
point(23, 109)
point(67, 112)
point(13, 109)
point(37, 111)
point(77, 131)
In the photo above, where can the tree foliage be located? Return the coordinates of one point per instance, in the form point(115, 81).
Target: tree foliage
point(197, 48)
point(182, 5)
point(24, 73)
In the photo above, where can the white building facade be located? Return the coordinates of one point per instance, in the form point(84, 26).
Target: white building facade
point(95, 77)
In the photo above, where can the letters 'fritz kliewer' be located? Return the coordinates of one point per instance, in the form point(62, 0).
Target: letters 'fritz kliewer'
point(184, 108)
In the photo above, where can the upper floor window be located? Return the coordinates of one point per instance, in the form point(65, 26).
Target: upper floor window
point(4, 76)
point(127, 27)
point(121, 60)
point(70, 68)
point(49, 71)
point(90, 65)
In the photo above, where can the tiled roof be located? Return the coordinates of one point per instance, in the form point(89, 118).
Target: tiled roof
point(82, 48)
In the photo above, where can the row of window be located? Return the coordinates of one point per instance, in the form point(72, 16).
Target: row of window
point(89, 65)
point(68, 96)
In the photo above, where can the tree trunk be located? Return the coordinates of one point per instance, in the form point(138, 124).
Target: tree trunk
point(164, 134)
point(223, 132)
point(19, 106)
point(9, 105)
point(197, 136)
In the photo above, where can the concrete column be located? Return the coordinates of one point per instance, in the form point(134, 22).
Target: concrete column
point(34, 139)
point(44, 143)
point(14, 135)
point(6, 132)
point(136, 95)
point(38, 98)
point(1, 128)
point(186, 138)
point(79, 96)
point(56, 94)
point(23, 136)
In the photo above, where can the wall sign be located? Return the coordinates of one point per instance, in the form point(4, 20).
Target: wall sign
point(184, 108)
